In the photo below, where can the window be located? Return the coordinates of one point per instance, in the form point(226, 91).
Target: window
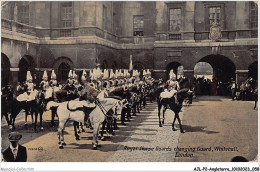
point(253, 15)
point(23, 13)
point(214, 14)
point(138, 25)
point(66, 14)
point(104, 17)
point(175, 20)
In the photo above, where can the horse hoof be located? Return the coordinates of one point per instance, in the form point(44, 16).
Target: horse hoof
point(42, 128)
point(113, 133)
point(10, 127)
point(83, 130)
point(77, 138)
point(94, 147)
point(103, 138)
point(58, 143)
point(25, 124)
point(91, 128)
point(64, 144)
point(79, 131)
point(182, 131)
point(173, 129)
point(61, 147)
point(162, 122)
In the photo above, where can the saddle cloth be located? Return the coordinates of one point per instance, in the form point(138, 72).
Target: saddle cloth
point(76, 104)
point(26, 97)
point(22, 97)
point(168, 94)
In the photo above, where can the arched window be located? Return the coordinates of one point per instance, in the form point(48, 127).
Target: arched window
point(5, 69)
point(26, 64)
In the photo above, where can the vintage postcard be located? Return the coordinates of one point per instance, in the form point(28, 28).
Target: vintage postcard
point(129, 81)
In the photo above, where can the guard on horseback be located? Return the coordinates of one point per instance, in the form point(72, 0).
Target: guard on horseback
point(171, 87)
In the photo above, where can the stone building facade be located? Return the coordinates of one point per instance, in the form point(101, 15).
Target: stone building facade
point(159, 35)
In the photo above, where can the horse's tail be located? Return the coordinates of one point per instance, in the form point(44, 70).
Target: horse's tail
point(52, 104)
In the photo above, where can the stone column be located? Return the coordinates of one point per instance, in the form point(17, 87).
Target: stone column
point(190, 75)
point(14, 76)
point(241, 76)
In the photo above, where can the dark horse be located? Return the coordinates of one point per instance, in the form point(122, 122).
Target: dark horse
point(33, 107)
point(170, 103)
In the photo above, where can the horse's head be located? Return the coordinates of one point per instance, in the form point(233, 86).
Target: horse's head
point(89, 93)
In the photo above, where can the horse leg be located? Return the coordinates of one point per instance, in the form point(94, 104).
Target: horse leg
point(41, 114)
point(35, 123)
point(81, 126)
point(164, 109)
point(159, 114)
point(62, 135)
point(6, 118)
point(95, 135)
point(173, 129)
point(179, 120)
point(115, 124)
point(102, 130)
point(75, 130)
point(77, 124)
point(134, 109)
point(144, 102)
point(53, 112)
point(139, 107)
point(26, 114)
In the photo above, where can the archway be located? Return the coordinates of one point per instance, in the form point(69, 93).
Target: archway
point(253, 70)
point(203, 69)
point(5, 69)
point(177, 69)
point(25, 64)
point(62, 67)
point(63, 71)
point(204, 83)
point(223, 72)
point(223, 68)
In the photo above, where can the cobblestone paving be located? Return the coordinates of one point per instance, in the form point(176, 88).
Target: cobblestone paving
point(156, 143)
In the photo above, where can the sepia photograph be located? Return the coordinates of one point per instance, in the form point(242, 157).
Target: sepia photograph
point(129, 81)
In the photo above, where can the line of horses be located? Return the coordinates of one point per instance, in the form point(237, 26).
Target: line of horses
point(94, 111)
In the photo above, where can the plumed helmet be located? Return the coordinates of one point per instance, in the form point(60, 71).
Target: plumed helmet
point(45, 76)
point(53, 75)
point(28, 76)
point(70, 74)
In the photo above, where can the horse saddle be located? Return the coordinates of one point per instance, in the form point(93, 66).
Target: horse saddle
point(75, 105)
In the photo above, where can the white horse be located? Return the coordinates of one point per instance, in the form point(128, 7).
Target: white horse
point(97, 116)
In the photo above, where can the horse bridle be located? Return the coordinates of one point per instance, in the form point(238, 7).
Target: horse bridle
point(102, 108)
